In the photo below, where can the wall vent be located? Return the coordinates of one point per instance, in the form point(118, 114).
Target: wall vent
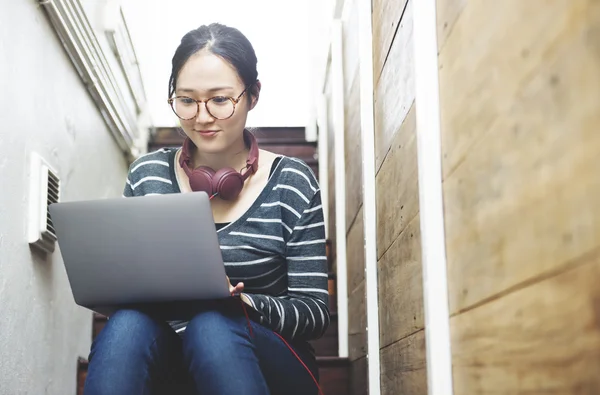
point(44, 190)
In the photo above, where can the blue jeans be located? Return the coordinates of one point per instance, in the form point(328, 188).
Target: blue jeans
point(137, 355)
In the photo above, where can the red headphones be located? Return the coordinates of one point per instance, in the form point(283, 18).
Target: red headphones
point(225, 182)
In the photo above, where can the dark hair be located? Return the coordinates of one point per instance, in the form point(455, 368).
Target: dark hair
point(224, 41)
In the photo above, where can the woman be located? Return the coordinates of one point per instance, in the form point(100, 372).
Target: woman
point(271, 231)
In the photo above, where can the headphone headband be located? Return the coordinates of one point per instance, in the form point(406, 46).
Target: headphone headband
point(252, 161)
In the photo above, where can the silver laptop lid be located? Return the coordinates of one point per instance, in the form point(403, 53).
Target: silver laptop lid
point(160, 248)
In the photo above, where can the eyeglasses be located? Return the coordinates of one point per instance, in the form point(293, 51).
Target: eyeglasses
point(219, 107)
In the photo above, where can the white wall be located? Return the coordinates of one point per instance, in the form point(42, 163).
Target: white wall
point(43, 107)
point(283, 34)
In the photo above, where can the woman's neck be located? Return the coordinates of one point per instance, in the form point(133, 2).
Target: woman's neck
point(235, 157)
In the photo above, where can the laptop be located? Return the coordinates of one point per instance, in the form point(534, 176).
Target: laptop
point(159, 254)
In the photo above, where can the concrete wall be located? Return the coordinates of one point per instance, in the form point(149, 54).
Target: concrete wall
point(44, 108)
point(520, 101)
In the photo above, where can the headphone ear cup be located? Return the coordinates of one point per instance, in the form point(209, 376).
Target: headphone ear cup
point(201, 180)
point(228, 183)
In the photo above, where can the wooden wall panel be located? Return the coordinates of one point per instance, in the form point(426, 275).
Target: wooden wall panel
point(520, 100)
point(542, 339)
point(403, 368)
point(358, 377)
point(353, 153)
point(395, 91)
point(524, 202)
point(493, 49)
point(355, 251)
point(447, 12)
point(357, 324)
point(397, 185)
point(386, 16)
point(401, 287)
point(331, 171)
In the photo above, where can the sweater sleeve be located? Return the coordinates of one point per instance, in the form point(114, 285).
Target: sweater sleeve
point(128, 191)
point(303, 312)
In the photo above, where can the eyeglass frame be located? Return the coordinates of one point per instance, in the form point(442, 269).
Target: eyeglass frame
point(205, 102)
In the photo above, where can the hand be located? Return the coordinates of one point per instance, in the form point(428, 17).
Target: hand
point(235, 290)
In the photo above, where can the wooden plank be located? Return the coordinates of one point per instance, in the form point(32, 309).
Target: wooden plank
point(357, 324)
point(494, 48)
point(447, 12)
point(395, 91)
point(397, 186)
point(302, 151)
point(353, 153)
point(542, 339)
point(98, 323)
point(331, 140)
point(328, 345)
point(276, 132)
point(334, 375)
point(358, 377)
point(525, 200)
point(82, 370)
point(166, 136)
point(331, 216)
point(401, 287)
point(403, 368)
point(386, 16)
point(355, 252)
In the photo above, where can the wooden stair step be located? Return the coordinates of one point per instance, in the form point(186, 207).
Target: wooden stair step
point(334, 377)
point(99, 321)
point(289, 141)
point(332, 289)
point(327, 345)
point(97, 324)
point(82, 369)
point(174, 135)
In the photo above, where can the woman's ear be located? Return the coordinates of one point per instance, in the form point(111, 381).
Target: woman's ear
point(255, 94)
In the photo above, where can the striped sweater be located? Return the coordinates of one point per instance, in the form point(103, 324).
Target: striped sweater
point(277, 247)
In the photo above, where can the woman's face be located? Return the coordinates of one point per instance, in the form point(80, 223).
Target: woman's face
point(202, 77)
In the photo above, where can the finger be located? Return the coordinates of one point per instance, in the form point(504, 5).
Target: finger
point(238, 288)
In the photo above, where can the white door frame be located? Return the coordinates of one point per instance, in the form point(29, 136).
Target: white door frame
point(334, 69)
point(435, 280)
point(367, 123)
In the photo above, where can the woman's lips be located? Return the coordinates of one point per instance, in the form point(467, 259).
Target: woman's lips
point(207, 133)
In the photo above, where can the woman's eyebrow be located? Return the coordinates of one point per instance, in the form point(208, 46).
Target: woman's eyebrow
point(218, 88)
